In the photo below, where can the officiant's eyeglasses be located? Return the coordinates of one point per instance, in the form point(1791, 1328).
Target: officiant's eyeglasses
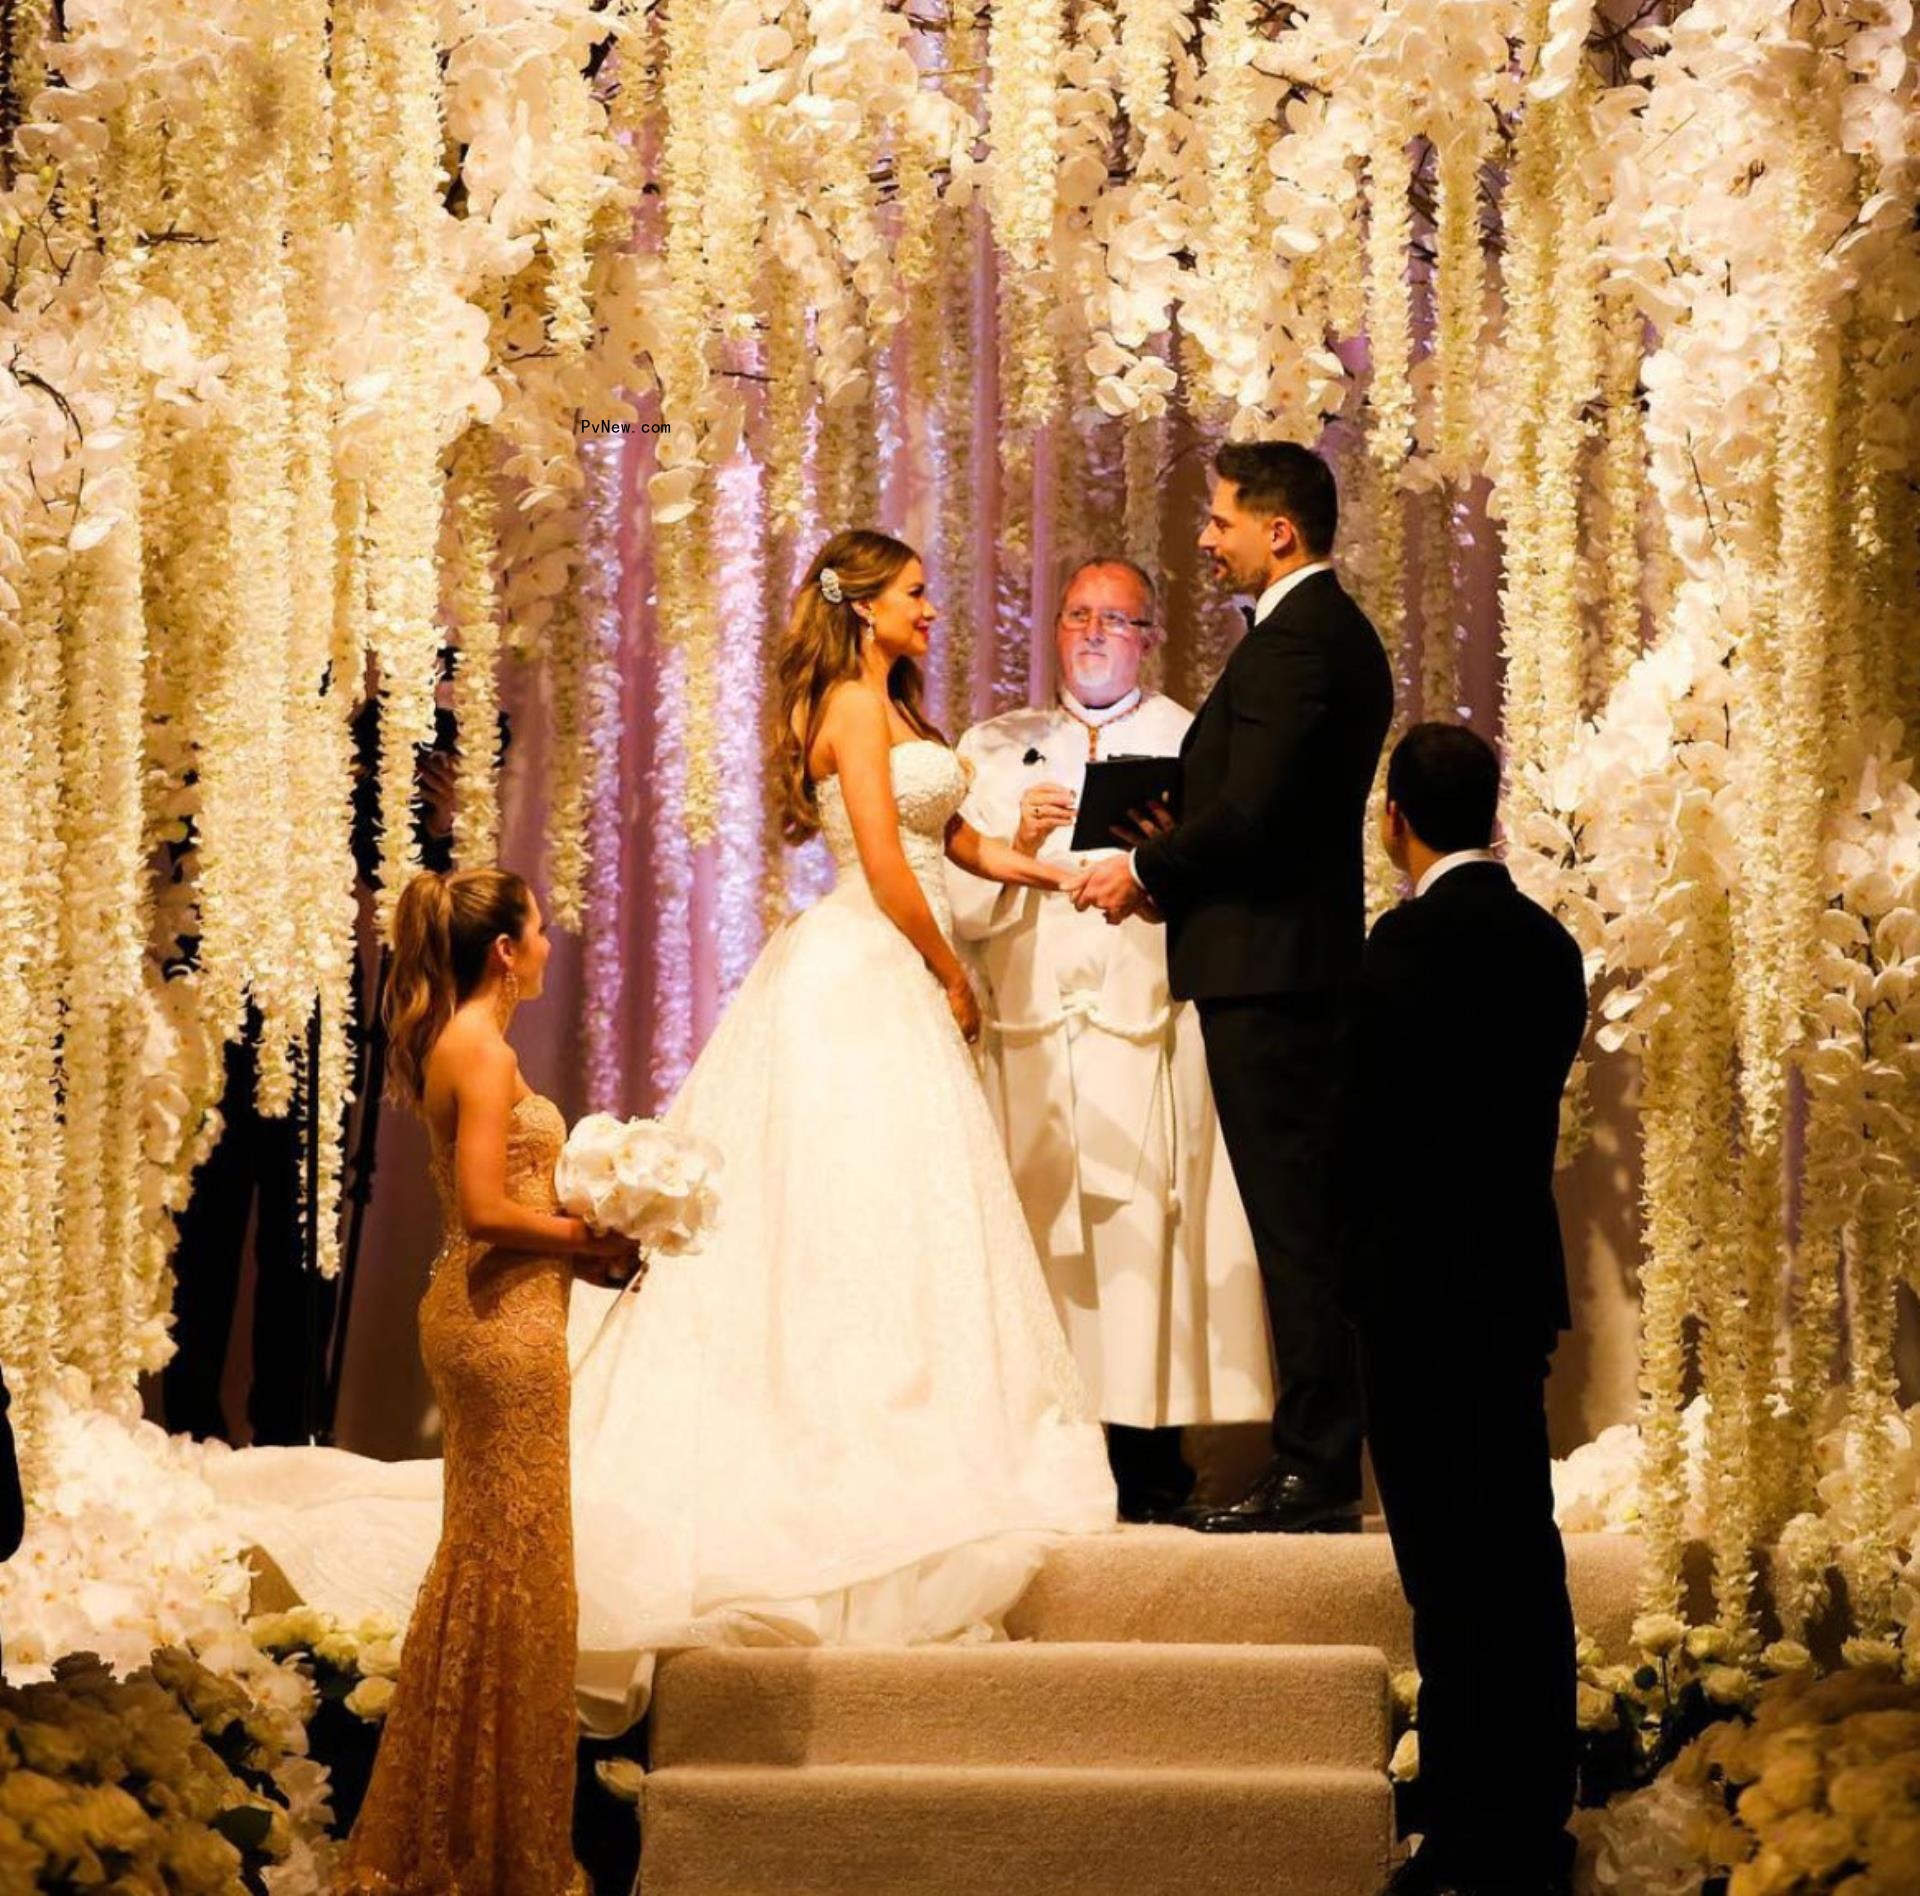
point(1115, 624)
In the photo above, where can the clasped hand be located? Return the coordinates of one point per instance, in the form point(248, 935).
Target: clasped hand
point(610, 1261)
point(1110, 886)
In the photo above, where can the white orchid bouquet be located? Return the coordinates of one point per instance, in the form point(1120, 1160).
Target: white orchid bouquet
point(643, 1180)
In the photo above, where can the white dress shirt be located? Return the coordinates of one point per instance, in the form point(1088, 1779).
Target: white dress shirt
point(1438, 869)
point(1284, 585)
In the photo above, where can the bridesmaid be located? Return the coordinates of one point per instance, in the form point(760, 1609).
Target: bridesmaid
point(472, 1792)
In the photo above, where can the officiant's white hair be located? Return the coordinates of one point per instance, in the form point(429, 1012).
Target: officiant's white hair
point(1094, 562)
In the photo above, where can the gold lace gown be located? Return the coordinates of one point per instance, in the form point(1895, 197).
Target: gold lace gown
point(472, 1793)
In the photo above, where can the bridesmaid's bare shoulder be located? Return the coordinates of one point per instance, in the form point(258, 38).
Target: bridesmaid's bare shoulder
point(471, 1064)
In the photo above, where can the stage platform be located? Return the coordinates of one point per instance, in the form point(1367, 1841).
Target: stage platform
point(1176, 1713)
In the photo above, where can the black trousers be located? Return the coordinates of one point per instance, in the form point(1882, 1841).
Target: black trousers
point(1457, 1423)
point(1148, 1464)
point(13, 1506)
point(252, 1176)
point(1278, 1065)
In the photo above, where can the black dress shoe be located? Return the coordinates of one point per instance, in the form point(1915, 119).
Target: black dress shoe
point(1422, 1874)
point(1152, 1507)
point(1280, 1503)
point(1428, 1873)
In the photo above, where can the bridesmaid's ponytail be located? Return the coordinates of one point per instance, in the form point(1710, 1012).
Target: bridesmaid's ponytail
point(442, 931)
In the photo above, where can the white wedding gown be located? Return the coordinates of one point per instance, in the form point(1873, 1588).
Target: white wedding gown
point(852, 1417)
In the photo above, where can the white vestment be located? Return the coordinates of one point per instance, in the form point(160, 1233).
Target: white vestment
point(1099, 1083)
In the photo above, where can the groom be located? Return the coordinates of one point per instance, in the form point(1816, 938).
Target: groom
point(1262, 888)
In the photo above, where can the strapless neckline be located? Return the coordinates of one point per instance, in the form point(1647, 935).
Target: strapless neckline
point(905, 744)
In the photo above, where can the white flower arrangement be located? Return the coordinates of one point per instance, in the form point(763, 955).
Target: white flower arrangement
point(1702, 225)
point(168, 1778)
point(643, 1180)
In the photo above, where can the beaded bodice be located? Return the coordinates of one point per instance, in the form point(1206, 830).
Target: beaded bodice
point(929, 785)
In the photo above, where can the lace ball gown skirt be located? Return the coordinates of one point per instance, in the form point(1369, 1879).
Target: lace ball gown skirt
point(850, 1416)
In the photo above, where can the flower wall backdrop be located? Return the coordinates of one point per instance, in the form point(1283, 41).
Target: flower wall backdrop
point(319, 324)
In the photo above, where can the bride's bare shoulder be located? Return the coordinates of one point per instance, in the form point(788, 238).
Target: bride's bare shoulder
point(850, 714)
point(849, 702)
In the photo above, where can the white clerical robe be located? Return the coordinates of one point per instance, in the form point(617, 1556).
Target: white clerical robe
point(1099, 1083)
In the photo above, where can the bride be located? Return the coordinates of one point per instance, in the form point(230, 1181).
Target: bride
point(852, 1417)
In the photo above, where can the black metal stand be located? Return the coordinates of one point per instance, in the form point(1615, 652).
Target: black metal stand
point(370, 1083)
point(316, 1421)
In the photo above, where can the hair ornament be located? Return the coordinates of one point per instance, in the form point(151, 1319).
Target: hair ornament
point(830, 586)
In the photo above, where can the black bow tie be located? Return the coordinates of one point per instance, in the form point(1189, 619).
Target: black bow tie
point(1246, 612)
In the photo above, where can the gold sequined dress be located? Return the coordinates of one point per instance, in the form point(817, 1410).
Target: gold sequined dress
point(472, 1794)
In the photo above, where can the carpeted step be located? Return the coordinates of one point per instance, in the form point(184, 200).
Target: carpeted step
point(1165, 1584)
point(853, 1830)
point(1071, 1703)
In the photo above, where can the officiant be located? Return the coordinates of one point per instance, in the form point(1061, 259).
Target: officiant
point(1098, 1079)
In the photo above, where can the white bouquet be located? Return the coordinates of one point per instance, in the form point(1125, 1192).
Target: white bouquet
point(642, 1180)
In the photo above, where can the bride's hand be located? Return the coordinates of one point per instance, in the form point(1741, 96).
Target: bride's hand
point(1070, 880)
point(965, 1007)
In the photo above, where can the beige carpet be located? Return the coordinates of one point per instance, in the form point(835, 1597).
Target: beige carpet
point(1166, 1585)
point(1058, 1830)
point(1177, 1714)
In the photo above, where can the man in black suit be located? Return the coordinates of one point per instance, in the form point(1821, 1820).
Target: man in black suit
point(1262, 887)
point(1473, 1004)
point(13, 1507)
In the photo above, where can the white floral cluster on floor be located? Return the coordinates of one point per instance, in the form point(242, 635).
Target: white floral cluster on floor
point(149, 1730)
point(172, 1778)
point(124, 1552)
point(1813, 1787)
point(1597, 1490)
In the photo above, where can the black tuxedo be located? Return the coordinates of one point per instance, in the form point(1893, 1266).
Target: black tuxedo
point(13, 1512)
point(1262, 884)
point(1473, 1004)
point(1471, 1009)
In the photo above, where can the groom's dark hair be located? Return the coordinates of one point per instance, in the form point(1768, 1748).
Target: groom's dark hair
point(1282, 477)
point(1445, 780)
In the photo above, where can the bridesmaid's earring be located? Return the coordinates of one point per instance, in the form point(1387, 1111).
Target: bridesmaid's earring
point(509, 998)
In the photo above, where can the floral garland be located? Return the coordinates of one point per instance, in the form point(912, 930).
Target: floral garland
point(470, 552)
point(1622, 485)
point(600, 687)
point(1025, 44)
point(573, 189)
point(403, 485)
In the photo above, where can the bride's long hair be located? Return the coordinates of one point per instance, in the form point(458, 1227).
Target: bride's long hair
point(819, 649)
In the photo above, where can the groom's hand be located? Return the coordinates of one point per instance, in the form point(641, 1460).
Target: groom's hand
point(1111, 889)
point(1142, 826)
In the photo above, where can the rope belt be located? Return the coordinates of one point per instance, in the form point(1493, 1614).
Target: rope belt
point(1083, 1004)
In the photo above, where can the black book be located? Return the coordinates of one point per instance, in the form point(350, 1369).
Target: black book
point(1114, 787)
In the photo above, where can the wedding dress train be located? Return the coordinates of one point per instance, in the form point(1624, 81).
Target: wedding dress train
point(852, 1417)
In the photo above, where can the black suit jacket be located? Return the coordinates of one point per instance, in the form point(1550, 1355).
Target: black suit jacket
point(13, 1513)
point(1472, 1007)
point(1262, 883)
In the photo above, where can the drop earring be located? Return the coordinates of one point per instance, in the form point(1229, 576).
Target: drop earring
point(508, 999)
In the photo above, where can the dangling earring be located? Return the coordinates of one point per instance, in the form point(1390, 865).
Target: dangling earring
point(508, 998)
